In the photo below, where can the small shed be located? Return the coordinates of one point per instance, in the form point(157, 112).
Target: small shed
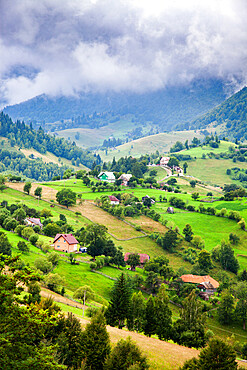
point(170, 210)
point(113, 200)
point(65, 242)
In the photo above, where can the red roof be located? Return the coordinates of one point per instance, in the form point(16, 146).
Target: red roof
point(70, 239)
point(195, 279)
point(143, 257)
point(113, 199)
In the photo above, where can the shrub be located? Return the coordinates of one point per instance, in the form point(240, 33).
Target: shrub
point(33, 239)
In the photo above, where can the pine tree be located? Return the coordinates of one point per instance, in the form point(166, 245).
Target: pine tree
point(150, 319)
point(118, 310)
point(163, 314)
point(96, 343)
point(137, 312)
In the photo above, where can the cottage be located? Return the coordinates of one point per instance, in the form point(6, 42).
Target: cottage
point(107, 176)
point(113, 200)
point(143, 258)
point(170, 210)
point(164, 161)
point(33, 222)
point(206, 283)
point(125, 177)
point(65, 242)
point(148, 197)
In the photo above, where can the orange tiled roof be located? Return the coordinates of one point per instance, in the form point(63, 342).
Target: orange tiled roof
point(195, 279)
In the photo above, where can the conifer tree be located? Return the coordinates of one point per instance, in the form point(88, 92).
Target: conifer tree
point(119, 307)
point(137, 312)
point(96, 343)
point(150, 320)
point(163, 314)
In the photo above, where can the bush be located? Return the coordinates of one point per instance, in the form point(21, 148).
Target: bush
point(33, 239)
point(23, 247)
point(93, 266)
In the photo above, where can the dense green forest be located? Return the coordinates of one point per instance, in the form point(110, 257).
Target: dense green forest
point(25, 136)
point(233, 112)
point(16, 162)
point(165, 108)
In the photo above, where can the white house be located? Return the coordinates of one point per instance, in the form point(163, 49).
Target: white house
point(113, 200)
point(107, 176)
point(164, 161)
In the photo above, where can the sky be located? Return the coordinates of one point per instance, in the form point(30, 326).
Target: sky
point(64, 47)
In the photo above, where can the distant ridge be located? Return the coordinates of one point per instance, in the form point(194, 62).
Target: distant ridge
point(166, 108)
point(232, 113)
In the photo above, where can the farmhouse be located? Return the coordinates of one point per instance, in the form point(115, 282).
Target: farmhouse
point(206, 284)
point(65, 242)
point(143, 258)
point(107, 176)
point(125, 177)
point(33, 222)
point(113, 200)
point(164, 161)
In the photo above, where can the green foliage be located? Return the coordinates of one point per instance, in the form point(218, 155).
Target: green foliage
point(241, 308)
point(95, 237)
point(119, 307)
point(70, 342)
point(169, 241)
point(25, 136)
point(125, 355)
point(227, 259)
point(150, 319)
point(23, 247)
point(226, 308)
point(84, 292)
point(33, 239)
point(216, 356)
point(96, 343)
point(23, 329)
point(52, 281)
point(38, 192)
point(66, 197)
point(51, 229)
point(187, 231)
point(163, 314)
point(27, 187)
point(133, 260)
point(5, 246)
point(189, 329)
point(204, 260)
point(43, 265)
point(135, 320)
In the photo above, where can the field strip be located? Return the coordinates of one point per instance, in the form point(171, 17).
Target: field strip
point(118, 229)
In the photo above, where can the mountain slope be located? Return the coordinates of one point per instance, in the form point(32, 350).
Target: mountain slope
point(165, 108)
point(232, 114)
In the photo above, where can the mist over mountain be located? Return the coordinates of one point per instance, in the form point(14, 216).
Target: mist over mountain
point(166, 107)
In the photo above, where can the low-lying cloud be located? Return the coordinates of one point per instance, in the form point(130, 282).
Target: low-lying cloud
point(65, 47)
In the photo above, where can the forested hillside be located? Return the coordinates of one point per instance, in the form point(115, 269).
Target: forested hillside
point(165, 108)
point(233, 112)
point(24, 136)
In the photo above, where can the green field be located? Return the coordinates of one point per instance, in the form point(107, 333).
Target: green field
point(205, 149)
point(149, 144)
point(95, 137)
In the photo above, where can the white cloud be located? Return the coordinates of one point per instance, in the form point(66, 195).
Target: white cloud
point(64, 47)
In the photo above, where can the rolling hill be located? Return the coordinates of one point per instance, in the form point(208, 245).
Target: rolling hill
point(165, 108)
point(231, 115)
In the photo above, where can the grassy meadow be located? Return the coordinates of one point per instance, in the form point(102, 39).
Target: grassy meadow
point(149, 144)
